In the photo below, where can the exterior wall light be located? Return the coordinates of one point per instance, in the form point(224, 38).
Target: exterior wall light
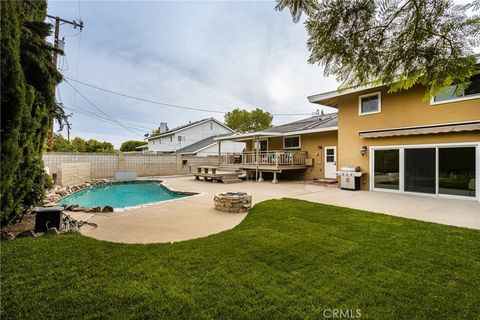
point(363, 151)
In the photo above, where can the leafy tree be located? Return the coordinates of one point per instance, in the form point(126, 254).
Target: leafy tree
point(79, 144)
point(243, 121)
point(28, 105)
point(100, 147)
point(60, 144)
point(400, 43)
point(131, 145)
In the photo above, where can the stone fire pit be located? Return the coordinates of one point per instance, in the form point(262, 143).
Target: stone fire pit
point(233, 201)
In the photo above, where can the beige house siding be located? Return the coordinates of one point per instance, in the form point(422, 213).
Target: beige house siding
point(313, 144)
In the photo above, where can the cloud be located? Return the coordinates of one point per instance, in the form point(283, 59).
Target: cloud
point(212, 55)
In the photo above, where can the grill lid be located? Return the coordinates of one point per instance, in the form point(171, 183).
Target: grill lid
point(350, 169)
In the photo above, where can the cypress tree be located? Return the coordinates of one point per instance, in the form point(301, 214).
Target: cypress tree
point(28, 105)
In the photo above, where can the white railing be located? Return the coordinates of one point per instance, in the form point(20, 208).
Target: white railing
point(270, 158)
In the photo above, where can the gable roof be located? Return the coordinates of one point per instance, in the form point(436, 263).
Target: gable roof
point(200, 145)
point(186, 126)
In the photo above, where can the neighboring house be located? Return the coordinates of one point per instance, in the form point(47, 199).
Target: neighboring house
point(307, 148)
point(403, 143)
point(142, 148)
point(209, 147)
point(173, 140)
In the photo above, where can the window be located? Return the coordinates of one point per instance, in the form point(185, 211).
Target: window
point(369, 103)
point(171, 138)
point(387, 169)
point(211, 125)
point(291, 142)
point(263, 145)
point(181, 138)
point(453, 93)
point(330, 156)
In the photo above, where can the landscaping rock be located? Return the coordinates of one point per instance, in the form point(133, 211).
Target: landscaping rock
point(26, 234)
point(107, 209)
point(71, 207)
point(5, 235)
point(51, 204)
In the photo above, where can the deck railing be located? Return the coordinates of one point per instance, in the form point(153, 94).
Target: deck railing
point(265, 158)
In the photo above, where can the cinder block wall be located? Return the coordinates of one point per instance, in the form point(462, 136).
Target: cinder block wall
point(73, 173)
point(104, 165)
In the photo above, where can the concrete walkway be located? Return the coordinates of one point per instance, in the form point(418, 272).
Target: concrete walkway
point(194, 217)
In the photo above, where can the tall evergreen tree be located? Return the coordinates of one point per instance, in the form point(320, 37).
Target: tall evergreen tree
point(400, 43)
point(28, 77)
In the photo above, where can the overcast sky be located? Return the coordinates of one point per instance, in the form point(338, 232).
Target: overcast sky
point(210, 55)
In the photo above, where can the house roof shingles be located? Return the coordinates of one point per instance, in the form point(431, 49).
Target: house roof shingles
point(312, 123)
point(194, 147)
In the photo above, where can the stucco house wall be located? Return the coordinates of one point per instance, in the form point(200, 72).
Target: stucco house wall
point(403, 109)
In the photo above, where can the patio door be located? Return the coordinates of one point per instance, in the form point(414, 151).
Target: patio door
point(330, 162)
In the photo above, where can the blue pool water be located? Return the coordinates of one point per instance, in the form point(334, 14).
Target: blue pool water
point(121, 195)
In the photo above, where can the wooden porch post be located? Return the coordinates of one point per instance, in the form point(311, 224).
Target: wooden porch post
point(257, 154)
point(219, 153)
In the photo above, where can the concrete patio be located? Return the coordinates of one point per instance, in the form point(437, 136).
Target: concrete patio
point(194, 217)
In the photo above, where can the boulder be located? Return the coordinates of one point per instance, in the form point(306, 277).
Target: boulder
point(78, 209)
point(71, 207)
point(95, 209)
point(107, 209)
point(51, 204)
point(5, 235)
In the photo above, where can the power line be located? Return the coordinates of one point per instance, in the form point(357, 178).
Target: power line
point(81, 110)
point(143, 99)
point(127, 119)
point(99, 109)
point(168, 104)
point(100, 117)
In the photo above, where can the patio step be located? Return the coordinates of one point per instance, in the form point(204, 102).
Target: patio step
point(325, 182)
point(231, 180)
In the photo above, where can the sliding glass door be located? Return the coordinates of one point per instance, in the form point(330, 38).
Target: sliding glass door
point(436, 170)
point(456, 171)
point(387, 169)
point(420, 170)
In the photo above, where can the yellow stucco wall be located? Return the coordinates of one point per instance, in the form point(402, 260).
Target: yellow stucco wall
point(403, 109)
point(313, 144)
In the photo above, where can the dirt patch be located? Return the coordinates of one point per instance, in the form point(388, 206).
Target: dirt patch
point(27, 223)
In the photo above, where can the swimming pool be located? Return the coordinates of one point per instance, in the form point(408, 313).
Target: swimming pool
point(122, 195)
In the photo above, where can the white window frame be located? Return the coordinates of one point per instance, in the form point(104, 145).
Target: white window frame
point(299, 142)
point(402, 148)
point(459, 99)
point(379, 94)
point(181, 138)
point(260, 140)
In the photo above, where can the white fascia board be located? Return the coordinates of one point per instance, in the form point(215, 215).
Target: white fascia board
point(317, 98)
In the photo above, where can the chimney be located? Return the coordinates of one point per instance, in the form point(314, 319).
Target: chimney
point(163, 127)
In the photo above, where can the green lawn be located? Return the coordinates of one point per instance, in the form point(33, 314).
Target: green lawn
point(288, 259)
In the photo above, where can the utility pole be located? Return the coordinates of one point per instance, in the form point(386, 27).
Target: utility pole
point(56, 45)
